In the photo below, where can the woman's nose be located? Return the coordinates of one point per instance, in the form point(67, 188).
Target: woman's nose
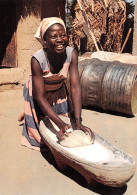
point(59, 39)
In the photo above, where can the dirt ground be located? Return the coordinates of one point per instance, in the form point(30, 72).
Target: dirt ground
point(24, 171)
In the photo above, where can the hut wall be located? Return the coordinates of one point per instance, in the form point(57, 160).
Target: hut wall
point(27, 44)
point(29, 14)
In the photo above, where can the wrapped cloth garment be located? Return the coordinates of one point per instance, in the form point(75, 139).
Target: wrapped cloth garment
point(56, 94)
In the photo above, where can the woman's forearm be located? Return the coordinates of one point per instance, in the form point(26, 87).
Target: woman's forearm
point(47, 109)
point(76, 99)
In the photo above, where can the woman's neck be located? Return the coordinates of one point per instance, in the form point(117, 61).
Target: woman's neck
point(56, 61)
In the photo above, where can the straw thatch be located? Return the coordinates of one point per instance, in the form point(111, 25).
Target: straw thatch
point(106, 19)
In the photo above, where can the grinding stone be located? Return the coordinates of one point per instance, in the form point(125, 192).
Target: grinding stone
point(76, 138)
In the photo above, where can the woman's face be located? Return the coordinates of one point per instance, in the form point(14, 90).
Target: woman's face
point(56, 39)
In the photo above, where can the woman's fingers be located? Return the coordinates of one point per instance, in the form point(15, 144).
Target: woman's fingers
point(63, 132)
point(61, 138)
point(88, 131)
point(92, 135)
point(60, 135)
point(68, 127)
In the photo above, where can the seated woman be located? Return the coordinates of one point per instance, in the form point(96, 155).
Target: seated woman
point(45, 92)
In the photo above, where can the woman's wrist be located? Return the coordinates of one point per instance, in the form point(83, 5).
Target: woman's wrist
point(78, 121)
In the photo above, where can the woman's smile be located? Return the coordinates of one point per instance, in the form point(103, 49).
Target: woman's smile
point(60, 47)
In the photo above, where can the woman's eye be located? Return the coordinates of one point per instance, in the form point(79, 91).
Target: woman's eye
point(62, 36)
point(53, 37)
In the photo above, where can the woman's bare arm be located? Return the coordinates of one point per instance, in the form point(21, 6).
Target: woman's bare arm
point(75, 86)
point(39, 95)
point(76, 94)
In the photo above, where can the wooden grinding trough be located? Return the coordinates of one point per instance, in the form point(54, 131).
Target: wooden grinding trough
point(100, 161)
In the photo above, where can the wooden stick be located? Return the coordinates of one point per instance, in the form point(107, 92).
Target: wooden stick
point(106, 3)
point(90, 31)
point(127, 37)
point(93, 6)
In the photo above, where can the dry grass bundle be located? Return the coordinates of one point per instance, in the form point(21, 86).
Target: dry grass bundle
point(106, 19)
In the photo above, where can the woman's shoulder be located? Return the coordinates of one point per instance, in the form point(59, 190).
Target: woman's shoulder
point(41, 58)
point(38, 54)
point(69, 49)
point(69, 53)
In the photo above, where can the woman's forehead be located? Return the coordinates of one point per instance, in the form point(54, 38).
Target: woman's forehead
point(55, 27)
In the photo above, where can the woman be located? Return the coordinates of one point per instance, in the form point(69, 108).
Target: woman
point(45, 92)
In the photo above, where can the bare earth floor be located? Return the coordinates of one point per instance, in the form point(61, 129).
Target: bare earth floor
point(24, 171)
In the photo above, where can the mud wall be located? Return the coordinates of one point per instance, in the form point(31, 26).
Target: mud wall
point(28, 16)
point(27, 44)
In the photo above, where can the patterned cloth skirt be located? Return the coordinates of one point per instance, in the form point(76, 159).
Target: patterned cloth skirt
point(59, 102)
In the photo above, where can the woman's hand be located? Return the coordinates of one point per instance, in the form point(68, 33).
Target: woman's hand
point(62, 132)
point(86, 130)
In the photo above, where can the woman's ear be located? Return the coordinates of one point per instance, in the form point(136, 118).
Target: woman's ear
point(45, 44)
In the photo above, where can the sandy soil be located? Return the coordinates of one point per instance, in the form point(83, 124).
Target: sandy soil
point(24, 171)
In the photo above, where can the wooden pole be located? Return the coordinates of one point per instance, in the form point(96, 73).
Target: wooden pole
point(106, 3)
point(127, 37)
point(90, 31)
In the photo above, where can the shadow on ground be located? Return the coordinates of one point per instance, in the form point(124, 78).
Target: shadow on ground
point(110, 112)
point(78, 178)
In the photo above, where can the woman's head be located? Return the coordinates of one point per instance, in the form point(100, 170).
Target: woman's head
point(55, 39)
point(45, 24)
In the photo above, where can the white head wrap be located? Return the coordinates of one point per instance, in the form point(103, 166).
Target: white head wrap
point(44, 25)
